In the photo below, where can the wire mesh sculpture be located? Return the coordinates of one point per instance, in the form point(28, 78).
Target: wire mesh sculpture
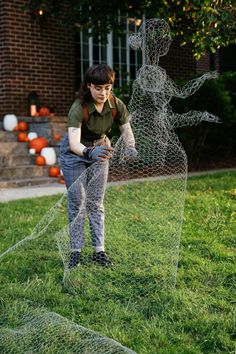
point(142, 239)
point(36, 330)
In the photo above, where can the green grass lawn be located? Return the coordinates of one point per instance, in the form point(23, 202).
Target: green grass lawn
point(198, 316)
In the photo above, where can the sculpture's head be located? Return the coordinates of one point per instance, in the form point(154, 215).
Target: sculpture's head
point(153, 35)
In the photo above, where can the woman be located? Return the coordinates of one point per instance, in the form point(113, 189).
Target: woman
point(90, 118)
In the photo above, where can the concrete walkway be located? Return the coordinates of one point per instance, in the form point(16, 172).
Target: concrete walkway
point(56, 188)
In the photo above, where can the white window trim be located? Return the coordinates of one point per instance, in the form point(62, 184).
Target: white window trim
point(109, 51)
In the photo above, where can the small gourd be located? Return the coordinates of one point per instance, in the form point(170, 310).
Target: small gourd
point(23, 126)
point(44, 111)
point(54, 171)
point(22, 137)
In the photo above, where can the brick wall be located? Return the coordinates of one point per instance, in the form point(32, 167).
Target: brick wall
point(208, 62)
point(179, 61)
point(34, 58)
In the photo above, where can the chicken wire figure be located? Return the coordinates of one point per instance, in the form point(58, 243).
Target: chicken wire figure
point(159, 154)
point(152, 231)
point(143, 239)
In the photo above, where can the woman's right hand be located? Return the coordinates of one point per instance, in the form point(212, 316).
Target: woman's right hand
point(98, 153)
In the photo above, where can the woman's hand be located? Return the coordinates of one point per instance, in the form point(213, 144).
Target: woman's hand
point(130, 153)
point(98, 153)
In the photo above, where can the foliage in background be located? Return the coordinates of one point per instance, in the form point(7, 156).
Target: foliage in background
point(207, 141)
point(204, 25)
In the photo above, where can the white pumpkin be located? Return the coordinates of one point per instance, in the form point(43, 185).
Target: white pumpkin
point(32, 135)
point(32, 151)
point(49, 154)
point(10, 122)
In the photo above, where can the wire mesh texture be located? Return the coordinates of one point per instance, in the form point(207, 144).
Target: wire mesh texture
point(142, 235)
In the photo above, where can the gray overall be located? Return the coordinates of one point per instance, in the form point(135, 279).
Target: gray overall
point(86, 183)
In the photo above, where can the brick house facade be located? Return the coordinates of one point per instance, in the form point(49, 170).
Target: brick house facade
point(34, 58)
point(42, 58)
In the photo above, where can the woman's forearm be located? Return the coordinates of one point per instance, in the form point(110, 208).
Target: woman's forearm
point(127, 134)
point(74, 135)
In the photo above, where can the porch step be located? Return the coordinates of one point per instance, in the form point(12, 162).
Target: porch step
point(16, 160)
point(23, 171)
point(7, 136)
point(24, 182)
point(13, 147)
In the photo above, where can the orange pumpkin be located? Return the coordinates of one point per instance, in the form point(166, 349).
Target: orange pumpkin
point(57, 137)
point(23, 126)
point(44, 111)
point(22, 137)
point(40, 160)
point(54, 171)
point(38, 144)
point(62, 181)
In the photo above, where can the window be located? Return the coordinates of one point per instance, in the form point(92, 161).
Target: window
point(116, 53)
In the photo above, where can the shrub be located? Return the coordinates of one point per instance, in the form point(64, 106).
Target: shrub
point(208, 140)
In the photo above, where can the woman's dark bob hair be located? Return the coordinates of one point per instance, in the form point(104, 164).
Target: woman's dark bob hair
point(99, 74)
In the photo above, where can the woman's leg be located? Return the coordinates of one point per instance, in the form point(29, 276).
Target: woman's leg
point(97, 179)
point(75, 179)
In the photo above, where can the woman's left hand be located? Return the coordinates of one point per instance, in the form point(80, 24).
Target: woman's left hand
point(130, 153)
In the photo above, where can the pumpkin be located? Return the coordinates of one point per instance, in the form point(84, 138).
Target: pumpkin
point(44, 111)
point(10, 122)
point(62, 181)
point(22, 137)
point(57, 137)
point(38, 144)
point(54, 171)
point(23, 126)
point(32, 135)
point(32, 151)
point(50, 155)
point(40, 160)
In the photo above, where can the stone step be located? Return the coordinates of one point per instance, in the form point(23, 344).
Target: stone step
point(24, 182)
point(16, 160)
point(13, 147)
point(23, 171)
point(7, 136)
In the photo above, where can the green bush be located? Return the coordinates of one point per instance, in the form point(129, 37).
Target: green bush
point(209, 141)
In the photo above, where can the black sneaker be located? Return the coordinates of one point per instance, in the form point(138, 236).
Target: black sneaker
point(75, 258)
point(102, 259)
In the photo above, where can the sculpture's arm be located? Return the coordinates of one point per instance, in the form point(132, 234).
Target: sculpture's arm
point(190, 88)
point(191, 118)
point(136, 97)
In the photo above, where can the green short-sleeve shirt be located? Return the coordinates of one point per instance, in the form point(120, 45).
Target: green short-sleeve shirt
point(98, 123)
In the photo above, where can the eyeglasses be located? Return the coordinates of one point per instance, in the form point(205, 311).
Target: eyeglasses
point(100, 88)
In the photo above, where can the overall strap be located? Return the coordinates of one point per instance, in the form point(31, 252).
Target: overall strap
point(114, 110)
point(86, 110)
point(85, 114)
